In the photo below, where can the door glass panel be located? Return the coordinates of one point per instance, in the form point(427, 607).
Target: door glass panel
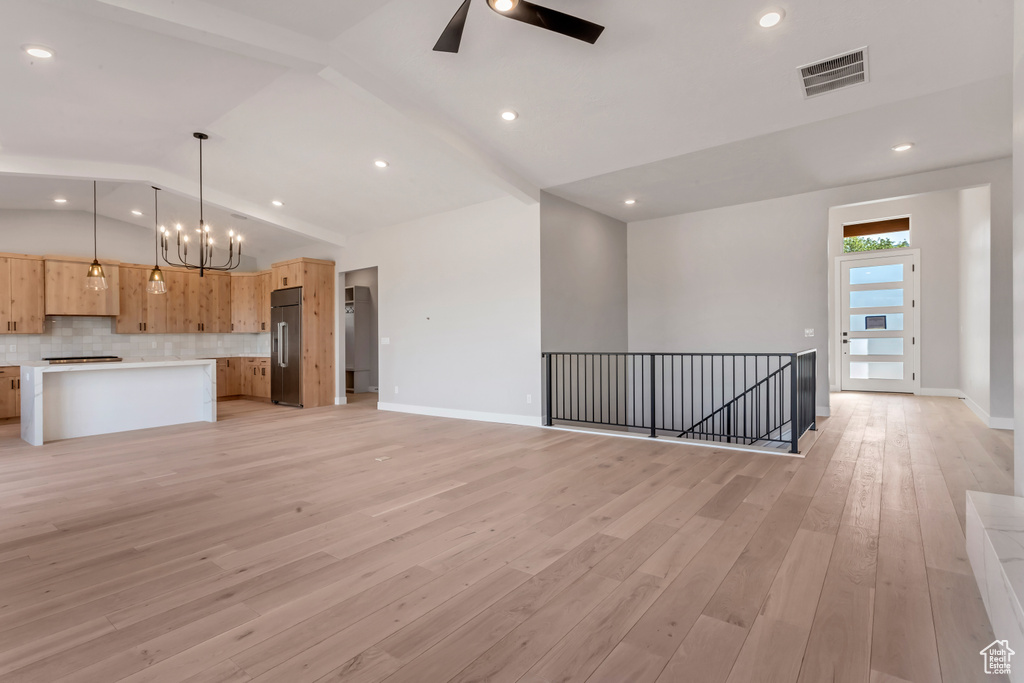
point(871, 275)
point(876, 370)
point(875, 298)
point(893, 346)
point(891, 321)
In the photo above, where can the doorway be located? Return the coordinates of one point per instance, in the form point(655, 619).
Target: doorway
point(879, 331)
point(359, 327)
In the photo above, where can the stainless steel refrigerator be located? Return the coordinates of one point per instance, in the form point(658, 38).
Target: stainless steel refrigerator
point(286, 346)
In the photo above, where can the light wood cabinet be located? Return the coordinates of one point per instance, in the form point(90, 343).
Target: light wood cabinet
point(229, 377)
point(65, 292)
point(21, 294)
point(265, 285)
point(10, 392)
point(132, 316)
point(245, 302)
point(212, 302)
point(317, 280)
point(287, 274)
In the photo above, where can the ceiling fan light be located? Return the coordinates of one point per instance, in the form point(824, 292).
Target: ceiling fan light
point(503, 5)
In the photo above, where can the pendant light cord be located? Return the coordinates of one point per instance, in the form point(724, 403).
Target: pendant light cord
point(95, 251)
point(156, 228)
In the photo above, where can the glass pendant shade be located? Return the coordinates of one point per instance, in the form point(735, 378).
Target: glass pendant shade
point(156, 284)
point(96, 280)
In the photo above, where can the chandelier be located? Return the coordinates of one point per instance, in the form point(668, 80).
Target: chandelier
point(204, 238)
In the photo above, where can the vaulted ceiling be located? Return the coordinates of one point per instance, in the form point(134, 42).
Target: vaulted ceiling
point(301, 97)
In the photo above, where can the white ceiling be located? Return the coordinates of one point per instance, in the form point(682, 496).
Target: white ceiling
point(841, 151)
point(300, 97)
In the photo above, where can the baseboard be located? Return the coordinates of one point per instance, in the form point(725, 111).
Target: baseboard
point(476, 416)
point(374, 390)
point(340, 400)
point(1001, 423)
point(822, 411)
point(949, 393)
point(835, 389)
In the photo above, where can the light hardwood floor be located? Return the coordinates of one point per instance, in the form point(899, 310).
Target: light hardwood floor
point(344, 544)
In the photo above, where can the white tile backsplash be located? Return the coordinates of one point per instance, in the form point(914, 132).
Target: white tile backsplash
point(74, 336)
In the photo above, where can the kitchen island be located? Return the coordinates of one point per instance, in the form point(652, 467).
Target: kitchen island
point(68, 401)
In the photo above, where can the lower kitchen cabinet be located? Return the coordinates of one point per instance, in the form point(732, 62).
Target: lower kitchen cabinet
point(10, 392)
point(245, 377)
point(229, 377)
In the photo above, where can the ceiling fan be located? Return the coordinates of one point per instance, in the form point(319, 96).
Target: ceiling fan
point(523, 11)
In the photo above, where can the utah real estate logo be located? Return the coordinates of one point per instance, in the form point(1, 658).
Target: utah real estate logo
point(997, 657)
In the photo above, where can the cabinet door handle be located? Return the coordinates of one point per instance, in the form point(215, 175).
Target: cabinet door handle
point(8, 325)
point(145, 327)
point(19, 383)
point(15, 325)
point(263, 371)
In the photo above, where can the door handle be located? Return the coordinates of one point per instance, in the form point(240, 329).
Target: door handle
point(15, 325)
point(282, 341)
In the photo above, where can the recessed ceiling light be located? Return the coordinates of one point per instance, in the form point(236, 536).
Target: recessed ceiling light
point(60, 200)
point(380, 163)
point(136, 212)
point(630, 202)
point(38, 51)
point(903, 147)
point(509, 115)
point(278, 203)
point(771, 18)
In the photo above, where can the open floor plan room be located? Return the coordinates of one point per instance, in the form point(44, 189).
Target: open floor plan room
point(423, 549)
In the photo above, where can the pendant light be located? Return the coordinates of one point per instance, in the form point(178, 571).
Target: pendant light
point(96, 280)
point(204, 238)
point(156, 284)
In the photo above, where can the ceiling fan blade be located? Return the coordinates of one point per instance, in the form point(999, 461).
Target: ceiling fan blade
point(556, 21)
point(451, 39)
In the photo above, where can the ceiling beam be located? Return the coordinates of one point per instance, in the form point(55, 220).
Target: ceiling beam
point(179, 185)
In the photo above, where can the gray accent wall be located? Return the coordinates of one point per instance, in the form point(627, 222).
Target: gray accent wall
point(752, 277)
point(584, 283)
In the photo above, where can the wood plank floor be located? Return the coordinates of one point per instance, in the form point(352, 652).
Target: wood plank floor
point(344, 544)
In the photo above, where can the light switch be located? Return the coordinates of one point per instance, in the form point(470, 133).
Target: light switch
point(809, 332)
point(384, 341)
point(529, 398)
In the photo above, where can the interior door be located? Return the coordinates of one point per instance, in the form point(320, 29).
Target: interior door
point(878, 313)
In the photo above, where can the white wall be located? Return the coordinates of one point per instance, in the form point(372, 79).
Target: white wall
point(583, 278)
point(976, 298)
point(367, 277)
point(459, 299)
point(69, 233)
point(751, 277)
point(1018, 246)
point(935, 230)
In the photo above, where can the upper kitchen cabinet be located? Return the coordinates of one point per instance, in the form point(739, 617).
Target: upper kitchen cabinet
point(287, 274)
point(21, 294)
point(245, 295)
point(212, 302)
point(265, 285)
point(132, 314)
point(66, 293)
point(250, 301)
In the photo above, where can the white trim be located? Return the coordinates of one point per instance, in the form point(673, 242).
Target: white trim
point(837, 343)
point(978, 410)
point(1001, 423)
point(834, 389)
point(503, 418)
point(678, 442)
point(823, 411)
point(948, 393)
point(340, 400)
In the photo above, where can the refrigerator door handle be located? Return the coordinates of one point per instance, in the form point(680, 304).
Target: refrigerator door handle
point(282, 341)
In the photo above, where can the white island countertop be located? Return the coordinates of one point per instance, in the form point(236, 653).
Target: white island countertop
point(70, 400)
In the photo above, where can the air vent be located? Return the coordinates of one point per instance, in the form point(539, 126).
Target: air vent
point(239, 216)
point(835, 73)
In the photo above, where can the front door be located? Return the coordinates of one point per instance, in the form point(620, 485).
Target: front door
point(878, 311)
